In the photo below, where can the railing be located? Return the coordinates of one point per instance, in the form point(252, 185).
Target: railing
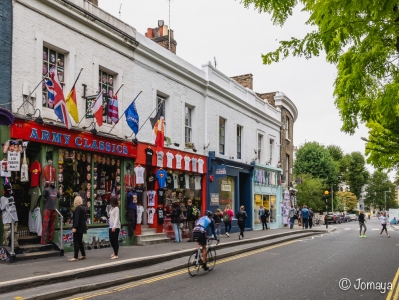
point(61, 224)
point(12, 233)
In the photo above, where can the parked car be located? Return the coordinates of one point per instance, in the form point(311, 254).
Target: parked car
point(341, 218)
point(331, 218)
point(353, 217)
point(347, 218)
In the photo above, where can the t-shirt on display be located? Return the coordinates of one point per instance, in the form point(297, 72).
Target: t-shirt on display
point(178, 161)
point(150, 214)
point(169, 159)
point(148, 156)
point(161, 196)
point(151, 198)
point(161, 176)
point(140, 211)
point(187, 160)
point(139, 171)
point(150, 181)
point(200, 166)
point(160, 156)
point(194, 164)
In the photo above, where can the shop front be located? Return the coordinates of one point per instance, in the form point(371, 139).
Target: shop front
point(169, 176)
point(78, 163)
point(230, 184)
point(267, 193)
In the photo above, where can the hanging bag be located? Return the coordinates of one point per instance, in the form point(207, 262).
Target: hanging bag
point(24, 170)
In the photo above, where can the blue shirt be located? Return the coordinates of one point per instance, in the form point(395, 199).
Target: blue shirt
point(161, 176)
point(130, 203)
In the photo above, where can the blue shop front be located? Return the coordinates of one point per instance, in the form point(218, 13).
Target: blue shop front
point(229, 183)
point(266, 191)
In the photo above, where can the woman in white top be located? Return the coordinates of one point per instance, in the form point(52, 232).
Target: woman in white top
point(114, 226)
point(383, 220)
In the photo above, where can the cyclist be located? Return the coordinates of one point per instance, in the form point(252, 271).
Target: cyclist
point(199, 234)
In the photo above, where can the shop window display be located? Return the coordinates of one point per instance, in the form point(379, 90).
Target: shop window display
point(226, 194)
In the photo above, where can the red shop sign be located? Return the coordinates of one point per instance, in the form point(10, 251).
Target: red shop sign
point(30, 131)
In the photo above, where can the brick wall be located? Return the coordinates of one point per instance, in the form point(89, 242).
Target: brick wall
point(164, 42)
point(245, 80)
point(6, 50)
point(269, 97)
point(95, 2)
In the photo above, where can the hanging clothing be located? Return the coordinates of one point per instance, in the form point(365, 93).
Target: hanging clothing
point(35, 221)
point(131, 221)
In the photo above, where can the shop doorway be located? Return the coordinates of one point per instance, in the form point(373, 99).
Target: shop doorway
point(245, 197)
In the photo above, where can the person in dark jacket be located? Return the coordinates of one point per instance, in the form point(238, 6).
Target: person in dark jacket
point(78, 229)
point(190, 219)
point(175, 220)
point(262, 217)
point(241, 217)
point(218, 218)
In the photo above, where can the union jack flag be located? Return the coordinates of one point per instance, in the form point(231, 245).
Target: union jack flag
point(123, 233)
point(60, 108)
point(67, 238)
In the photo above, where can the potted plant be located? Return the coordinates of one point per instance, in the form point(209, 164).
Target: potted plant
point(189, 145)
point(167, 141)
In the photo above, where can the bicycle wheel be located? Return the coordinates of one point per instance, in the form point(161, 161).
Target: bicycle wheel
point(193, 264)
point(211, 258)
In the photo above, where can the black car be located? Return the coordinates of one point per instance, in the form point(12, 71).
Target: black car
point(331, 218)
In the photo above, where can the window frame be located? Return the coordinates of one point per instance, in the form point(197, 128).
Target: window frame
point(287, 166)
point(260, 142)
point(271, 150)
point(222, 137)
point(287, 127)
point(188, 128)
point(60, 63)
point(239, 142)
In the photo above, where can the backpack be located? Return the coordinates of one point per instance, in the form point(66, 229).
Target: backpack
point(305, 214)
point(226, 217)
point(266, 213)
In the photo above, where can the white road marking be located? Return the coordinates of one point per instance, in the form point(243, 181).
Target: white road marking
point(374, 229)
point(348, 229)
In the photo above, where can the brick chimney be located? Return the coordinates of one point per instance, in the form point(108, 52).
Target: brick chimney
point(269, 97)
point(95, 2)
point(160, 35)
point(245, 80)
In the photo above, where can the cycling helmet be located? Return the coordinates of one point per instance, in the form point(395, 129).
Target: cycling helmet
point(208, 213)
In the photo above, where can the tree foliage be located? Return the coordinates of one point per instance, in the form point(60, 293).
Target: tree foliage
point(347, 200)
point(362, 39)
point(378, 188)
point(357, 175)
point(313, 158)
point(310, 192)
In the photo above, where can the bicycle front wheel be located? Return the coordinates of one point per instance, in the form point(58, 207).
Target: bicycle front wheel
point(193, 264)
point(211, 258)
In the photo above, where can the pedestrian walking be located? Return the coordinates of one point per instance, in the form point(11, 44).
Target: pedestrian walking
point(227, 217)
point(241, 217)
point(383, 220)
point(262, 217)
point(191, 218)
point(175, 220)
point(362, 220)
point(292, 215)
point(311, 215)
point(298, 215)
point(114, 226)
point(305, 216)
point(368, 215)
point(217, 218)
point(78, 229)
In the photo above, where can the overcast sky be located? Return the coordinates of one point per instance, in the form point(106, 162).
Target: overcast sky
point(237, 37)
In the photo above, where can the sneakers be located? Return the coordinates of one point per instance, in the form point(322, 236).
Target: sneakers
point(388, 236)
point(227, 234)
point(364, 235)
point(205, 267)
point(239, 236)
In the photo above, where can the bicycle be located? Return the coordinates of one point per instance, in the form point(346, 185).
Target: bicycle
point(195, 259)
point(316, 222)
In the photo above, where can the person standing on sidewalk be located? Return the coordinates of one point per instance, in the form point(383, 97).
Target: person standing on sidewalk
point(241, 217)
point(311, 215)
point(291, 215)
point(175, 220)
point(383, 220)
point(362, 220)
point(217, 217)
point(262, 217)
point(191, 218)
point(298, 215)
point(114, 226)
point(227, 217)
point(50, 195)
point(305, 216)
point(78, 229)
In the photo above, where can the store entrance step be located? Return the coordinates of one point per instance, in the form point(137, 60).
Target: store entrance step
point(153, 241)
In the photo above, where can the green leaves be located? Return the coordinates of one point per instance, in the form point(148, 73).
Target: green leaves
point(362, 39)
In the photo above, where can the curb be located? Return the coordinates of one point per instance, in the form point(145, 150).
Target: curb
point(122, 265)
point(120, 281)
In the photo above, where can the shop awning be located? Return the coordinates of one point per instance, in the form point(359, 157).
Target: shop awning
point(6, 117)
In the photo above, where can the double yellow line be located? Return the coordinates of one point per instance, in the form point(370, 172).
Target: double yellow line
point(394, 292)
point(170, 275)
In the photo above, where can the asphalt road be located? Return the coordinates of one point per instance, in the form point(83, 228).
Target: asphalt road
point(311, 268)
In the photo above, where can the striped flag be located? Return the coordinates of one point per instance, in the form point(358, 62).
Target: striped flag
point(72, 105)
point(97, 108)
point(113, 111)
point(59, 100)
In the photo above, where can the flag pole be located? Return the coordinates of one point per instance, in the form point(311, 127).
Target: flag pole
point(119, 89)
point(44, 77)
point(156, 108)
point(125, 110)
point(81, 69)
point(87, 111)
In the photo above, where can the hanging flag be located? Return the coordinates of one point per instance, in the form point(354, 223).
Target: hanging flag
point(71, 104)
point(59, 100)
point(97, 108)
point(113, 111)
point(158, 124)
point(132, 117)
point(50, 92)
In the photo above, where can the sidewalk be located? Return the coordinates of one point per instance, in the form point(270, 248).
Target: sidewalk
point(28, 274)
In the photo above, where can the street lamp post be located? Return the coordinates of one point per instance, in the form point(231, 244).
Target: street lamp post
point(326, 194)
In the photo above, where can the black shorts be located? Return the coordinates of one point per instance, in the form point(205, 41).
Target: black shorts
point(200, 237)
